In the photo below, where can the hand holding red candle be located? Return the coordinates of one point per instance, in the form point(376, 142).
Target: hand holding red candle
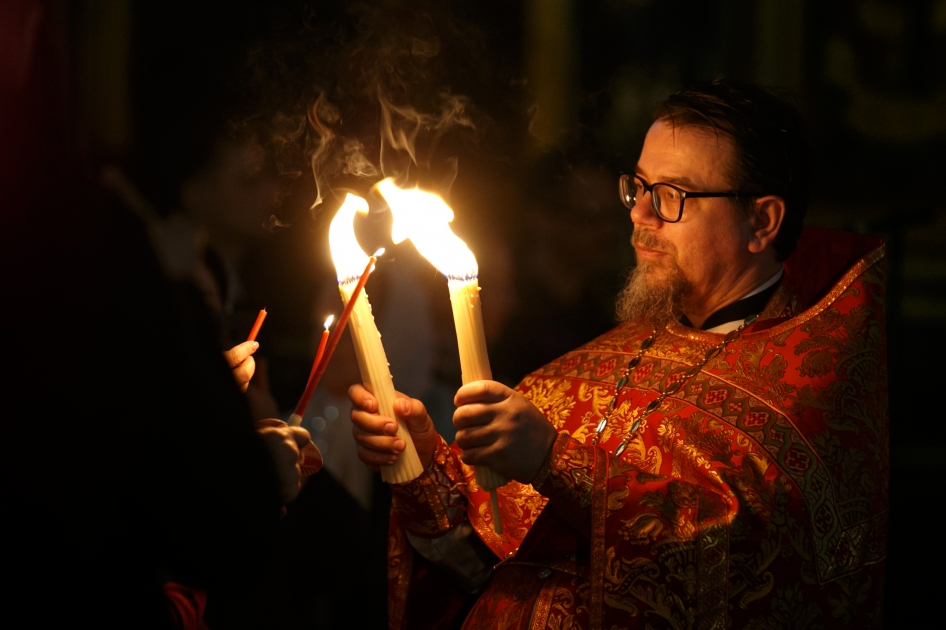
point(239, 356)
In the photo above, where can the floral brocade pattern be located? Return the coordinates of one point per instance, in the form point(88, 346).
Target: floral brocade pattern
point(753, 497)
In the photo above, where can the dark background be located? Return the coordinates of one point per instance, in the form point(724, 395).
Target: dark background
point(560, 92)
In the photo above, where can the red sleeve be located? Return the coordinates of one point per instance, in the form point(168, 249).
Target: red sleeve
point(433, 503)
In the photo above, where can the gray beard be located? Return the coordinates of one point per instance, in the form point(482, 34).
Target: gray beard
point(652, 298)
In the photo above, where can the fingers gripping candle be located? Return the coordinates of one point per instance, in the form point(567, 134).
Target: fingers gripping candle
point(349, 261)
point(424, 218)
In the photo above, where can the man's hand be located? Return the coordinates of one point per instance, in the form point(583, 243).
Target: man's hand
point(240, 360)
point(501, 429)
point(375, 434)
point(285, 444)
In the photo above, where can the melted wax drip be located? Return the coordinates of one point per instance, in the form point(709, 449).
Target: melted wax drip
point(463, 278)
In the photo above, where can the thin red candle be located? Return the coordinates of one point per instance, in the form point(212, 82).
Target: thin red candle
point(319, 367)
point(304, 401)
point(257, 325)
point(322, 342)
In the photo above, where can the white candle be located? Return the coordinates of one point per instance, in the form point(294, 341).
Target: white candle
point(372, 361)
point(474, 366)
point(468, 319)
point(424, 218)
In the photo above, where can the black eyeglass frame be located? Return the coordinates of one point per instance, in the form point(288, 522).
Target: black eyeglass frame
point(626, 195)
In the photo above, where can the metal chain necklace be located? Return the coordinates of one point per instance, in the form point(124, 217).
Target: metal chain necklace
point(672, 388)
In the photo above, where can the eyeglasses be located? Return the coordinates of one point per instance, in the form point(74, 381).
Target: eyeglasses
point(666, 199)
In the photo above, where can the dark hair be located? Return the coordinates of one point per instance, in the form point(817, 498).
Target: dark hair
point(770, 137)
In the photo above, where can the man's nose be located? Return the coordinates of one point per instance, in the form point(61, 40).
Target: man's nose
point(643, 211)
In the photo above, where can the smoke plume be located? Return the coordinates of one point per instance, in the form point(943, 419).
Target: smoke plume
point(349, 95)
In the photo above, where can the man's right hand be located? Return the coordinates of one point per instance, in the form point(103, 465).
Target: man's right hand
point(375, 434)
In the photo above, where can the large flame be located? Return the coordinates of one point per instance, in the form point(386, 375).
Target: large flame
point(350, 261)
point(424, 218)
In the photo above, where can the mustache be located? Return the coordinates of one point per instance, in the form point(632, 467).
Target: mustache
point(649, 240)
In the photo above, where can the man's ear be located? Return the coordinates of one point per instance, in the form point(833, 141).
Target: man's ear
point(767, 215)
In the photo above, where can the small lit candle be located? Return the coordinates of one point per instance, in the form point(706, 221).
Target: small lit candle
point(372, 361)
point(322, 342)
point(424, 218)
point(257, 325)
point(296, 418)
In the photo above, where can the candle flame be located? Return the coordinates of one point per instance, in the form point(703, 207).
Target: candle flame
point(424, 218)
point(328, 321)
point(350, 261)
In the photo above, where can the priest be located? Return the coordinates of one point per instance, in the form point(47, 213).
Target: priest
point(718, 460)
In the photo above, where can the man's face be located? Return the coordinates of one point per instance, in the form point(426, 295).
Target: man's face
point(685, 262)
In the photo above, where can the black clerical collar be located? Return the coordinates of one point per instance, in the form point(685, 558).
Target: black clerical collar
point(740, 309)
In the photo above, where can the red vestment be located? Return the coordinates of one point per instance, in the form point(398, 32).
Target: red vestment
point(753, 497)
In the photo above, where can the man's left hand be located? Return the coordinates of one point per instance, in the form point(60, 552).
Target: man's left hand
point(499, 428)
